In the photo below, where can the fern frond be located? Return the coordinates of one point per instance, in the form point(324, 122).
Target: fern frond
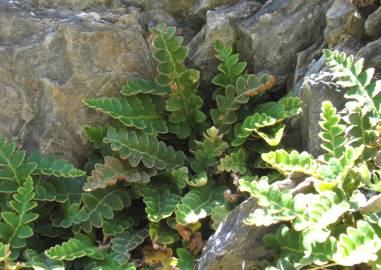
point(78, 247)
point(124, 243)
point(230, 67)
point(110, 263)
point(225, 115)
point(332, 133)
point(101, 204)
point(207, 151)
point(112, 171)
point(186, 259)
point(16, 226)
point(358, 245)
point(292, 106)
point(199, 203)
point(160, 202)
point(183, 103)
point(12, 165)
point(161, 234)
point(48, 165)
point(287, 163)
point(38, 261)
point(277, 205)
point(143, 148)
point(360, 83)
point(69, 215)
point(234, 162)
point(137, 112)
point(145, 87)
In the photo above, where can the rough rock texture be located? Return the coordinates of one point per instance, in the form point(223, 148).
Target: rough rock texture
point(373, 24)
point(235, 245)
point(202, 6)
point(341, 19)
point(316, 88)
point(272, 38)
point(75, 4)
point(49, 62)
point(372, 54)
point(220, 25)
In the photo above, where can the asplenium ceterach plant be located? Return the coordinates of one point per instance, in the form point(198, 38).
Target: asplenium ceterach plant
point(336, 222)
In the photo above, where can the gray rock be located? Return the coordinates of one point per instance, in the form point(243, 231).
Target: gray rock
point(178, 8)
point(373, 24)
point(316, 88)
point(75, 4)
point(235, 245)
point(50, 62)
point(341, 19)
point(220, 25)
point(372, 54)
point(272, 37)
point(202, 6)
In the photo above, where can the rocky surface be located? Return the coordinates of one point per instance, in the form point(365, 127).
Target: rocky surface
point(272, 37)
point(50, 61)
point(373, 24)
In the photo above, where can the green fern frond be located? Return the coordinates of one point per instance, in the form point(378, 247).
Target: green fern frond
point(360, 83)
point(145, 87)
point(124, 243)
point(234, 162)
point(207, 151)
point(110, 263)
point(332, 133)
point(48, 165)
point(199, 203)
point(112, 171)
point(358, 245)
point(101, 204)
point(183, 103)
point(287, 163)
point(235, 95)
point(277, 205)
point(162, 234)
point(160, 202)
point(230, 67)
point(186, 259)
point(137, 112)
point(219, 213)
point(16, 226)
point(115, 226)
point(75, 248)
point(12, 165)
point(69, 215)
point(292, 106)
point(38, 261)
point(144, 148)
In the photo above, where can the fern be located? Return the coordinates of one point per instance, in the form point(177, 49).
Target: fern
point(147, 149)
point(208, 150)
point(186, 259)
point(145, 87)
point(230, 68)
point(124, 243)
point(138, 112)
point(358, 245)
point(16, 228)
point(160, 202)
point(112, 171)
point(235, 162)
point(291, 162)
point(47, 165)
point(332, 133)
point(78, 247)
point(183, 102)
point(199, 203)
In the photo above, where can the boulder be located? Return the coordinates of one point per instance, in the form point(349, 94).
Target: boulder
point(371, 52)
point(75, 4)
point(341, 19)
point(272, 37)
point(220, 25)
point(373, 24)
point(202, 6)
point(50, 62)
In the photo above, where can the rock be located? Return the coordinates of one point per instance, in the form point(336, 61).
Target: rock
point(373, 24)
point(235, 245)
point(220, 25)
point(341, 19)
point(272, 37)
point(178, 8)
point(49, 63)
point(372, 54)
point(316, 88)
point(75, 4)
point(202, 6)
